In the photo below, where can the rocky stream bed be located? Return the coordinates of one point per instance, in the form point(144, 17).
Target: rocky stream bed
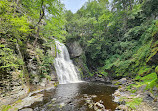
point(131, 99)
point(88, 96)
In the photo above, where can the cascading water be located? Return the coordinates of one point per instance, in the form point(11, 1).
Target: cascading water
point(66, 71)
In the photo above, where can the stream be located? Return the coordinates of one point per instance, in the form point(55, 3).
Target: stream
point(83, 96)
point(72, 94)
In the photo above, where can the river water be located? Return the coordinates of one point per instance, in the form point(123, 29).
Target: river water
point(71, 94)
point(84, 96)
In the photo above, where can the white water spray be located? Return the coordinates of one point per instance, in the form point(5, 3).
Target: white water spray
point(66, 71)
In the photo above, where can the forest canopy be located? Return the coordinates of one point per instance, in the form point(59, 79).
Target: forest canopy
point(119, 38)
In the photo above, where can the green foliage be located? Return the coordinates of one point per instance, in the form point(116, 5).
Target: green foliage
point(149, 81)
point(144, 71)
point(153, 83)
point(149, 77)
point(137, 77)
point(9, 59)
point(5, 107)
point(118, 41)
point(130, 88)
point(156, 69)
point(45, 61)
point(135, 11)
point(55, 28)
point(134, 103)
point(27, 30)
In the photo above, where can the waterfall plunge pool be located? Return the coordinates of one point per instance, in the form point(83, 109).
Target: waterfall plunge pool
point(84, 96)
point(71, 94)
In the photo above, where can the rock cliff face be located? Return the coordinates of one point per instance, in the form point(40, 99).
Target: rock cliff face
point(75, 49)
point(34, 69)
point(15, 85)
point(77, 54)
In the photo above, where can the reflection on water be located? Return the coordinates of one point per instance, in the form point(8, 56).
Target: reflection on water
point(66, 92)
point(83, 96)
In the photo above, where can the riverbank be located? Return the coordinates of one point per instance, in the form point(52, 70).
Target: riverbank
point(134, 96)
point(24, 96)
point(131, 95)
point(82, 96)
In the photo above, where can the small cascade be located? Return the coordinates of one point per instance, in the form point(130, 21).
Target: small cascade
point(66, 71)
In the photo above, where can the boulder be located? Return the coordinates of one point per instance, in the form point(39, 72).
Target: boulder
point(26, 109)
point(75, 49)
point(122, 108)
point(122, 81)
point(78, 56)
point(43, 82)
point(142, 88)
point(26, 102)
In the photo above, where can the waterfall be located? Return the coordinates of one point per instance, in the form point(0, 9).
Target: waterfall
point(66, 71)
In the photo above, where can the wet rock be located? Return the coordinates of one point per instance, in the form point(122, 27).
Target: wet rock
point(118, 110)
point(36, 79)
point(155, 109)
point(114, 82)
point(107, 80)
point(30, 100)
point(88, 101)
point(75, 49)
point(18, 93)
point(26, 102)
point(26, 109)
point(155, 91)
point(123, 102)
point(122, 81)
point(94, 96)
point(129, 82)
point(85, 95)
point(44, 82)
point(148, 97)
point(116, 99)
point(62, 105)
point(155, 88)
point(142, 88)
point(53, 75)
point(144, 107)
point(122, 108)
point(123, 96)
point(50, 105)
point(78, 56)
point(99, 79)
point(98, 106)
point(54, 99)
point(117, 93)
point(90, 105)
